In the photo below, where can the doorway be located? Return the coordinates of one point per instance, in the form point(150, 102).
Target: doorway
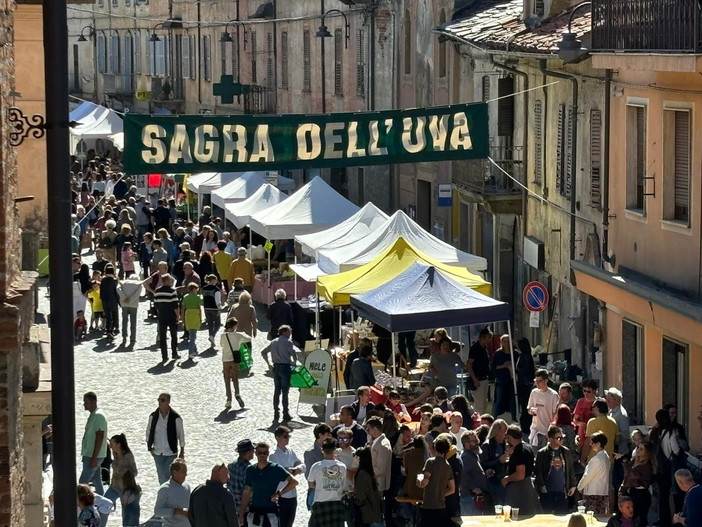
point(674, 376)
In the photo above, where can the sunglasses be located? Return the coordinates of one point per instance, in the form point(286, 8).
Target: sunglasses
point(344, 440)
point(587, 391)
point(262, 453)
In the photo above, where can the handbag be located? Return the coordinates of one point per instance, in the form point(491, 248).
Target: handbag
point(479, 501)
point(236, 353)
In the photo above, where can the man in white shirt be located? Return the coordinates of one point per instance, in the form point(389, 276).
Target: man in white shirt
point(286, 458)
point(328, 478)
point(542, 405)
point(164, 432)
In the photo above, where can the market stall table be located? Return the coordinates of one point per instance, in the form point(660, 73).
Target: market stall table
point(540, 520)
point(264, 295)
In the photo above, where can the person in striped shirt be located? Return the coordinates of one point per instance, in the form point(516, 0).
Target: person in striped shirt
point(166, 302)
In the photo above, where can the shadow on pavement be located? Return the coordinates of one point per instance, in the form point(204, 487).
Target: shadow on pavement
point(209, 352)
point(187, 364)
point(227, 416)
point(161, 368)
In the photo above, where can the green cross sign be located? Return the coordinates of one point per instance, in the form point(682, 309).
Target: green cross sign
point(226, 88)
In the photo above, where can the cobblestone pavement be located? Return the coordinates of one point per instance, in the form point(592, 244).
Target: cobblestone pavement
point(127, 383)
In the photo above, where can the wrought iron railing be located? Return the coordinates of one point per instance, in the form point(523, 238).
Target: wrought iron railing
point(670, 26)
point(483, 177)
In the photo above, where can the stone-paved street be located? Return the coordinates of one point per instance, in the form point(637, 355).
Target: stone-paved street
point(128, 382)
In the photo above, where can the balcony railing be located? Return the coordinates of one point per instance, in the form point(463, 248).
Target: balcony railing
point(259, 100)
point(483, 177)
point(670, 26)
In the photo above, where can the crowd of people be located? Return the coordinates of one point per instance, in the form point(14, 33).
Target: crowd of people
point(433, 458)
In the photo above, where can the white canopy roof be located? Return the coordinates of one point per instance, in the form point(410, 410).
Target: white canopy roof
point(313, 208)
point(358, 226)
point(238, 190)
point(195, 180)
point(94, 122)
point(217, 181)
point(240, 213)
point(366, 249)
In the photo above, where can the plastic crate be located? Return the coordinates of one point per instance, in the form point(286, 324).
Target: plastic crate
point(301, 378)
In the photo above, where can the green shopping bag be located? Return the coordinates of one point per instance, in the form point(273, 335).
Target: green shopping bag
point(246, 357)
point(301, 378)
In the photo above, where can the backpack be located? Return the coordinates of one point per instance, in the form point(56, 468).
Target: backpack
point(106, 242)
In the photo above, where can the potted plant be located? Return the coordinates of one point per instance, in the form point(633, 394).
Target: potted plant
point(166, 89)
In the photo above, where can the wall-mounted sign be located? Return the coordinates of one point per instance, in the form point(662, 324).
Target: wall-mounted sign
point(445, 195)
point(237, 143)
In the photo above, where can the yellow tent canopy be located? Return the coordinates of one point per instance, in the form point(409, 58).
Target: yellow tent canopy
point(337, 288)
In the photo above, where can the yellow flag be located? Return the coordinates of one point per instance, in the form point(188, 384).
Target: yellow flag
point(268, 246)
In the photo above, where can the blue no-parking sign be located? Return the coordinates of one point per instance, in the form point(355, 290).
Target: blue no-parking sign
point(535, 297)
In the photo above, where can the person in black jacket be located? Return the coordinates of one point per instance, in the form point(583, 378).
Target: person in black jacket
point(353, 356)
point(362, 405)
point(110, 301)
point(346, 420)
point(279, 313)
point(494, 459)
point(555, 476)
point(211, 504)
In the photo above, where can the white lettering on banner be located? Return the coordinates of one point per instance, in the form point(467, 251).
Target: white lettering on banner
point(460, 135)
point(232, 145)
point(353, 150)
point(416, 146)
point(373, 149)
point(263, 149)
point(180, 146)
point(437, 129)
point(156, 149)
point(331, 140)
point(314, 131)
point(206, 151)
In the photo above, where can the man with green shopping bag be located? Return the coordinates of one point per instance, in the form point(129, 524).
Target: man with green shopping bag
point(282, 352)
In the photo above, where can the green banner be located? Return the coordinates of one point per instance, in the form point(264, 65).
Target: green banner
point(236, 143)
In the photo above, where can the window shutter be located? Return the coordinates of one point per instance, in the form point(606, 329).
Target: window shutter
point(682, 166)
point(408, 43)
point(101, 54)
point(595, 158)
point(137, 52)
point(193, 58)
point(128, 55)
point(223, 59)
point(149, 49)
point(235, 58)
point(360, 64)
point(338, 65)
point(254, 50)
point(538, 140)
point(569, 156)
point(560, 141)
point(640, 156)
point(505, 106)
point(207, 58)
point(307, 77)
point(270, 77)
point(284, 60)
point(486, 88)
point(185, 58)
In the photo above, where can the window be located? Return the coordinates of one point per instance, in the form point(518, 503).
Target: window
point(115, 3)
point(101, 3)
point(442, 49)
point(101, 54)
point(538, 141)
point(677, 163)
point(635, 157)
point(127, 2)
point(306, 62)
point(193, 57)
point(633, 371)
point(505, 106)
point(338, 62)
point(159, 56)
point(408, 43)
point(595, 158)
point(360, 63)
point(486, 88)
point(114, 54)
point(284, 60)
point(185, 56)
point(539, 7)
point(253, 57)
point(270, 77)
point(674, 375)
point(206, 58)
point(137, 52)
point(128, 55)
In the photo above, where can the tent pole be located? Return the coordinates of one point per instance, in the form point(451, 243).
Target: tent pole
point(318, 336)
point(392, 348)
point(296, 278)
point(268, 294)
point(514, 368)
point(341, 316)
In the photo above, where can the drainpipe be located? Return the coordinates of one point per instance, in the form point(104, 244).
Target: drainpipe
point(574, 153)
point(525, 78)
point(605, 169)
point(199, 54)
point(324, 71)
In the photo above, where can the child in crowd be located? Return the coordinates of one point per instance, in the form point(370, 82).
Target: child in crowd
point(190, 313)
point(97, 317)
point(397, 408)
point(131, 494)
point(88, 515)
point(80, 326)
point(128, 257)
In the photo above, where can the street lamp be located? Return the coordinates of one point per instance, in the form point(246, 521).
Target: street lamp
point(171, 23)
point(570, 48)
point(91, 33)
point(227, 37)
point(323, 31)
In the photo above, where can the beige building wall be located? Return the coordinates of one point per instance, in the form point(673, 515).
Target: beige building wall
point(29, 82)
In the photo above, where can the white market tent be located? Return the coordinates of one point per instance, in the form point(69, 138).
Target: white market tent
point(238, 190)
point(195, 180)
point(313, 208)
point(240, 213)
point(95, 122)
point(356, 227)
point(218, 180)
point(351, 255)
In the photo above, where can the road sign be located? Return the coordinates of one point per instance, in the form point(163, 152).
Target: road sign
point(535, 296)
point(445, 195)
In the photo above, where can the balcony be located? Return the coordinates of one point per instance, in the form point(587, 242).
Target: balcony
point(658, 35)
point(259, 100)
point(488, 184)
point(115, 84)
